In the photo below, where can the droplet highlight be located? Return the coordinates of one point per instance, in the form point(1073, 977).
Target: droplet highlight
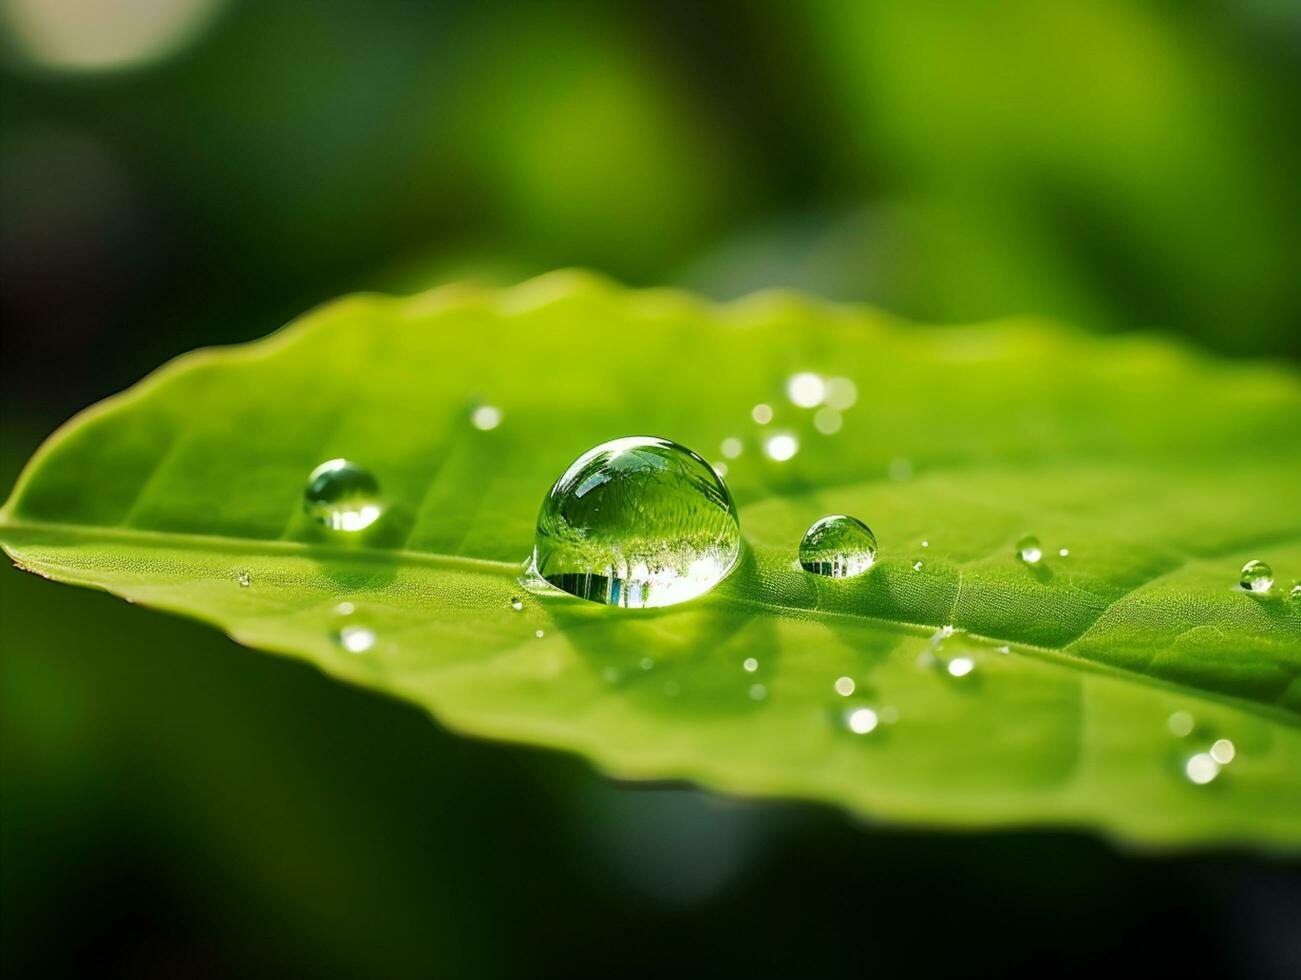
point(838, 546)
point(806, 389)
point(1029, 550)
point(1201, 768)
point(861, 721)
point(245, 579)
point(761, 413)
point(356, 639)
point(1223, 751)
point(342, 496)
point(1256, 576)
point(781, 447)
point(639, 522)
point(486, 417)
point(845, 686)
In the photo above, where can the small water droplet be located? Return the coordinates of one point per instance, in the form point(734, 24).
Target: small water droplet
point(806, 389)
point(960, 666)
point(1257, 576)
point(1223, 751)
point(761, 413)
point(342, 496)
point(838, 546)
point(750, 665)
point(345, 608)
point(1180, 724)
point(1028, 550)
point(245, 579)
point(926, 544)
point(1296, 591)
point(1002, 649)
point(732, 447)
point(540, 633)
point(1201, 768)
point(517, 604)
point(781, 446)
point(917, 566)
point(844, 686)
point(828, 421)
point(861, 720)
point(486, 417)
point(1064, 552)
point(900, 469)
point(637, 522)
point(842, 393)
point(356, 639)
point(758, 692)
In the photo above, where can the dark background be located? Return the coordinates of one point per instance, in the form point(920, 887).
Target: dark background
point(181, 173)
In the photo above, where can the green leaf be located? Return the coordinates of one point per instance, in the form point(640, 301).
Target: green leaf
point(1160, 471)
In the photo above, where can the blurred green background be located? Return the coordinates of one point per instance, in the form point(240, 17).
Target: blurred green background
point(182, 172)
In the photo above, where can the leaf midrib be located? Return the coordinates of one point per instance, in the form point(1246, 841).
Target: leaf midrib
point(209, 542)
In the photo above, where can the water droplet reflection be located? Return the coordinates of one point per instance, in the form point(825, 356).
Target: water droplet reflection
point(838, 546)
point(1029, 550)
point(861, 720)
point(245, 579)
point(342, 496)
point(960, 666)
point(1257, 576)
point(750, 665)
point(356, 639)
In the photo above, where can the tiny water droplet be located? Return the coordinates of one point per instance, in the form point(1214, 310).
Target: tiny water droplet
point(860, 721)
point(1201, 768)
point(1064, 552)
point(1180, 724)
point(926, 544)
point(1002, 649)
point(917, 566)
point(1028, 550)
point(345, 608)
point(1223, 751)
point(781, 446)
point(486, 417)
point(732, 447)
point(750, 665)
point(806, 389)
point(758, 692)
point(960, 666)
point(761, 413)
point(838, 546)
point(1257, 576)
point(539, 634)
point(637, 522)
point(842, 393)
point(517, 604)
point(844, 686)
point(356, 639)
point(342, 496)
point(828, 421)
point(245, 579)
point(1296, 591)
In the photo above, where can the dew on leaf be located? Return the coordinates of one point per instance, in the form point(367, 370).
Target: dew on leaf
point(486, 417)
point(917, 566)
point(540, 633)
point(517, 604)
point(838, 546)
point(1064, 552)
point(750, 665)
point(806, 389)
point(342, 496)
point(781, 446)
point(637, 522)
point(1028, 550)
point(245, 579)
point(356, 639)
point(1256, 576)
point(860, 721)
point(1223, 751)
point(1201, 768)
point(960, 666)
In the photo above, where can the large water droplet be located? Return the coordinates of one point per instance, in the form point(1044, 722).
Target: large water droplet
point(637, 522)
point(343, 496)
point(838, 547)
point(356, 639)
point(1029, 550)
point(1257, 577)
